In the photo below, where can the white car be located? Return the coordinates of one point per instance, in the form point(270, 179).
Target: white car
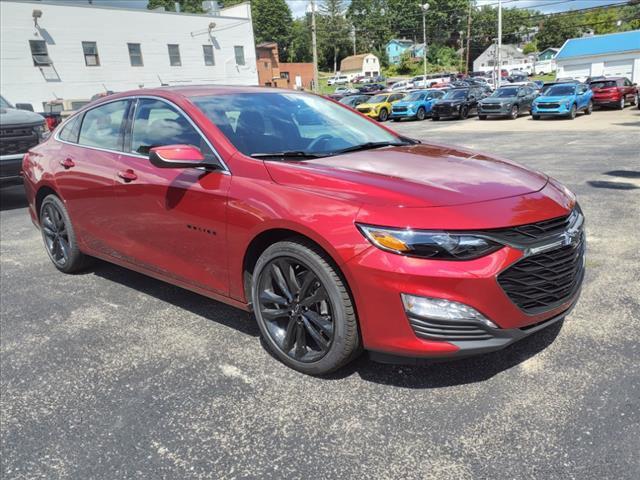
point(345, 90)
point(338, 80)
point(401, 85)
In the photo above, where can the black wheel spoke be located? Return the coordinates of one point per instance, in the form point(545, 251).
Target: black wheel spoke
point(289, 336)
point(47, 230)
point(323, 324)
point(308, 279)
point(278, 276)
point(289, 276)
point(317, 336)
point(64, 247)
point(272, 314)
point(301, 342)
point(316, 297)
point(268, 296)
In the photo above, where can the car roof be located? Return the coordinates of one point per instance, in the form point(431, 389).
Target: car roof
point(197, 91)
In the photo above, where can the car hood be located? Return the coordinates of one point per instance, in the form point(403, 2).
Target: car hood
point(410, 176)
point(554, 98)
point(370, 105)
point(498, 100)
point(407, 104)
point(457, 101)
point(13, 116)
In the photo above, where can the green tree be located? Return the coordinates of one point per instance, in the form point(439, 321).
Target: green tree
point(333, 32)
point(300, 45)
point(530, 47)
point(556, 29)
point(187, 6)
point(372, 27)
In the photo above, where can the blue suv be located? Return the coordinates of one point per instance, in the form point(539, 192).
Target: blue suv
point(563, 100)
point(416, 105)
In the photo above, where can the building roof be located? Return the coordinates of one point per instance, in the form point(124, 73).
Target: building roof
point(600, 45)
point(353, 62)
point(508, 49)
point(401, 41)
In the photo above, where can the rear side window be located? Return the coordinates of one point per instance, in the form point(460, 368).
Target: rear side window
point(102, 126)
point(71, 129)
point(157, 123)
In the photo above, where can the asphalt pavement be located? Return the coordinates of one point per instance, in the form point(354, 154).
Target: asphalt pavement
point(109, 374)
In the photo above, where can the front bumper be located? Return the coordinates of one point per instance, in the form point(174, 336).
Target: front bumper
point(445, 111)
point(10, 167)
point(561, 110)
point(380, 278)
point(403, 114)
point(606, 100)
point(497, 110)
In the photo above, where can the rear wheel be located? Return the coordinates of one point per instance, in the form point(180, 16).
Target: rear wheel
point(383, 115)
point(421, 113)
point(482, 117)
point(589, 109)
point(59, 236)
point(515, 110)
point(303, 308)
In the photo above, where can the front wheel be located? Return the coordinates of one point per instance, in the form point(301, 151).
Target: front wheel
point(589, 109)
point(482, 117)
point(514, 112)
point(383, 115)
point(303, 308)
point(535, 117)
point(435, 118)
point(59, 236)
point(464, 112)
point(573, 112)
point(421, 113)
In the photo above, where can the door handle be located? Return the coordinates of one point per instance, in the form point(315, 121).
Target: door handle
point(67, 163)
point(127, 175)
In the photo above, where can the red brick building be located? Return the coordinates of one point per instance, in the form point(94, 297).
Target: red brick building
point(273, 73)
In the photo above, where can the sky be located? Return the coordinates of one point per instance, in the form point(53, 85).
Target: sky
point(299, 7)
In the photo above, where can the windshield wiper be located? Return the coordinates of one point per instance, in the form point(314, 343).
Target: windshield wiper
point(299, 154)
point(370, 146)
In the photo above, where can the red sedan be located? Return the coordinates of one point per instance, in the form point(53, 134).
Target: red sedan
point(339, 234)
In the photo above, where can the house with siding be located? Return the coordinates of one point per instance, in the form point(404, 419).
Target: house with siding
point(366, 65)
point(396, 47)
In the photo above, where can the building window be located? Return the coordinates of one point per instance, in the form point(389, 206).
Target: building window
point(135, 54)
point(284, 75)
point(239, 51)
point(209, 59)
point(266, 64)
point(39, 53)
point(90, 50)
point(174, 55)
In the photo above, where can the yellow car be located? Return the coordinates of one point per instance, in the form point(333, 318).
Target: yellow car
point(379, 106)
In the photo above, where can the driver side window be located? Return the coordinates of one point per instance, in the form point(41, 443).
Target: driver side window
point(157, 123)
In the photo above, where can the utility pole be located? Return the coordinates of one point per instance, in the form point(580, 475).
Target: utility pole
point(315, 46)
point(499, 43)
point(466, 65)
point(424, 7)
point(353, 34)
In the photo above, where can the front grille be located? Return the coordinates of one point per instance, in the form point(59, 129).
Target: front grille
point(491, 106)
point(431, 329)
point(548, 105)
point(15, 140)
point(543, 281)
point(364, 110)
point(399, 109)
point(533, 232)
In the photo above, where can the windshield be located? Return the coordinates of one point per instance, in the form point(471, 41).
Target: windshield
point(289, 122)
point(604, 84)
point(4, 103)
point(378, 99)
point(352, 101)
point(415, 96)
point(455, 94)
point(559, 90)
point(505, 92)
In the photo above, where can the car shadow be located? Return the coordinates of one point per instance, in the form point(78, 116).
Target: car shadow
point(192, 302)
point(612, 185)
point(12, 197)
point(439, 374)
point(431, 374)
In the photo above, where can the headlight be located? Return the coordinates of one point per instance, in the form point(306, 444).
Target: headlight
point(441, 309)
point(41, 131)
point(567, 103)
point(437, 245)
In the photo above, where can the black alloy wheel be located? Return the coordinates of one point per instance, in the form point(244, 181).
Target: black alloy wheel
point(464, 112)
point(383, 115)
point(56, 236)
point(303, 308)
point(59, 236)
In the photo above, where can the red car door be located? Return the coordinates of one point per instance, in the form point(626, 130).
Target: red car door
point(171, 221)
point(88, 148)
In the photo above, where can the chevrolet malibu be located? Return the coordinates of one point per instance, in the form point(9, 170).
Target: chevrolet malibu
point(337, 233)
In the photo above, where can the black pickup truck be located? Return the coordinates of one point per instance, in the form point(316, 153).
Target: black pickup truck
point(19, 131)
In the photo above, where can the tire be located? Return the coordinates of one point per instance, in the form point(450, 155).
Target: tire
point(383, 115)
point(621, 104)
point(515, 110)
point(589, 109)
point(421, 114)
point(395, 119)
point(535, 117)
point(573, 112)
point(435, 118)
point(482, 117)
point(314, 338)
point(464, 112)
point(59, 237)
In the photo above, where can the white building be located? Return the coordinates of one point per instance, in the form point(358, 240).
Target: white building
point(511, 58)
point(612, 55)
point(365, 65)
point(76, 50)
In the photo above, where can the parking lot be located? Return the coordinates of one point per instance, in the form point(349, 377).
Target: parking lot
point(110, 374)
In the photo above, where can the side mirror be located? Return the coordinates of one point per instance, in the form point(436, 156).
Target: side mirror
point(24, 106)
point(177, 156)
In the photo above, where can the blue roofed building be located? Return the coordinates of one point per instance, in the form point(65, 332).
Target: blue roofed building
point(611, 55)
point(396, 47)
